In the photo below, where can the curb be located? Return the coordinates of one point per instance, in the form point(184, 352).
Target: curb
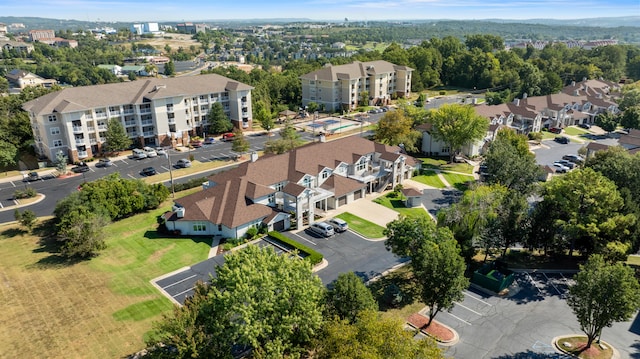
point(555, 340)
point(41, 198)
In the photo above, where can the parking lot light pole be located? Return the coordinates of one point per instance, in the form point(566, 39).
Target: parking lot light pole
point(173, 192)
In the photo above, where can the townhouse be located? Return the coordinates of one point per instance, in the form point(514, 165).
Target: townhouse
point(153, 111)
point(22, 79)
point(340, 88)
point(295, 186)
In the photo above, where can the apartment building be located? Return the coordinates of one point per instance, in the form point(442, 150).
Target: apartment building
point(35, 35)
point(154, 112)
point(337, 88)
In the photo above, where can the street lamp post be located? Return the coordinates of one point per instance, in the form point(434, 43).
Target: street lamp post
point(173, 192)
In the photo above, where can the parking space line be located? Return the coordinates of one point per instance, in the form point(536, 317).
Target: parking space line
point(467, 308)
point(553, 285)
point(460, 319)
point(180, 281)
point(164, 168)
point(130, 175)
point(184, 291)
point(304, 239)
point(125, 162)
point(478, 299)
point(13, 184)
point(534, 282)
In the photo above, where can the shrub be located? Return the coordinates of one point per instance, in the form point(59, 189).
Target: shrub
point(313, 256)
point(192, 183)
point(27, 193)
point(252, 232)
point(442, 93)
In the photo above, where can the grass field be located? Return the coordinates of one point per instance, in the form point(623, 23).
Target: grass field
point(101, 308)
point(362, 226)
point(430, 178)
point(457, 180)
point(633, 260)
point(575, 131)
point(443, 165)
point(396, 204)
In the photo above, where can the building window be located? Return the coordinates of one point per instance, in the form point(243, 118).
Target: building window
point(169, 107)
point(57, 143)
point(279, 186)
point(203, 97)
point(272, 198)
point(171, 115)
point(199, 227)
point(52, 118)
point(306, 182)
point(361, 165)
point(325, 174)
point(55, 130)
point(204, 108)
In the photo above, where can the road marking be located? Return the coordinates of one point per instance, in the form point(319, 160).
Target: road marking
point(553, 285)
point(184, 291)
point(534, 282)
point(478, 299)
point(304, 239)
point(460, 319)
point(125, 162)
point(164, 168)
point(130, 175)
point(180, 281)
point(13, 184)
point(1, 206)
point(469, 309)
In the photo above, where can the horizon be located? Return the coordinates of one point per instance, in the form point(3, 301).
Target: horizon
point(317, 10)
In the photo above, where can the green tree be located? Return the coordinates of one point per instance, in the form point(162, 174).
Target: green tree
point(8, 154)
point(348, 296)
point(510, 163)
point(289, 139)
point(372, 337)
point(602, 295)
point(116, 136)
point(587, 210)
point(82, 233)
point(607, 121)
point(394, 128)
point(169, 68)
point(26, 219)
point(240, 143)
point(631, 117)
point(61, 162)
point(218, 120)
point(263, 116)
point(457, 126)
point(272, 302)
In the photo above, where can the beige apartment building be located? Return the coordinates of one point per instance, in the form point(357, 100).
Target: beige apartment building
point(340, 88)
point(154, 112)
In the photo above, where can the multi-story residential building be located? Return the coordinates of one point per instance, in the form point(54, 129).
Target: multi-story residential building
point(21, 79)
point(337, 88)
point(145, 28)
point(300, 183)
point(21, 46)
point(153, 111)
point(36, 35)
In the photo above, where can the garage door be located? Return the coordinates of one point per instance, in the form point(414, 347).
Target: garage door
point(357, 195)
point(279, 226)
point(342, 201)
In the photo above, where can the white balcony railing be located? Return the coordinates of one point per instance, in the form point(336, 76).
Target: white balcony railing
point(148, 133)
point(83, 154)
point(77, 129)
point(79, 141)
point(129, 112)
point(91, 129)
point(147, 122)
point(101, 115)
point(93, 141)
point(102, 127)
point(145, 110)
point(172, 121)
point(129, 123)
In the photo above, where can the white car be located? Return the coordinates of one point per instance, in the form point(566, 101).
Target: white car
point(161, 151)
point(560, 168)
point(183, 163)
point(339, 225)
point(322, 228)
point(150, 152)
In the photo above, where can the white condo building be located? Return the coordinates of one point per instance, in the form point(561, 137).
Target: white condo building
point(153, 112)
point(340, 87)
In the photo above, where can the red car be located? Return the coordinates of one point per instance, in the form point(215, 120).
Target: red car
point(555, 130)
point(228, 136)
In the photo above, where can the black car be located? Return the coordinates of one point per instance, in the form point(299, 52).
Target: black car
point(148, 171)
point(586, 126)
point(561, 139)
point(83, 167)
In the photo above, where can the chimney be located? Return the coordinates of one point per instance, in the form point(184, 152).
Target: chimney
point(524, 95)
point(179, 211)
point(573, 83)
point(254, 156)
point(516, 102)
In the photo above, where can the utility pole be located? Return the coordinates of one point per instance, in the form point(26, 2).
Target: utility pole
point(173, 192)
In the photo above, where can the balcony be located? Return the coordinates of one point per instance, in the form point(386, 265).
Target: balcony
point(147, 122)
point(77, 129)
point(148, 134)
point(129, 112)
point(172, 121)
point(79, 141)
point(102, 127)
point(130, 123)
point(83, 154)
point(101, 115)
point(132, 134)
point(91, 129)
point(114, 113)
point(103, 139)
point(93, 141)
point(145, 110)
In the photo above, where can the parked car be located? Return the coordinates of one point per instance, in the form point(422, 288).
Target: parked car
point(228, 136)
point(322, 228)
point(150, 152)
point(161, 151)
point(196, 143)
point(555, 130)
point(148, 171)
point(573, 158)
point(209, 140)
point(560, 168)
point(104, 162)
point(183, 163)
point(561, 139)
point(138, 153)
point(586, 126)
point(568, 163)
point(82, 167)
point(339, 225)
point(33, 176)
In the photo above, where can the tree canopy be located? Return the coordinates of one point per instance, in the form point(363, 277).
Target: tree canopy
point(602, 295)
point(116, 136)
point(457, 126)
point(510, 163)
point(217, 120)
point(348, 296)
point(394, 128)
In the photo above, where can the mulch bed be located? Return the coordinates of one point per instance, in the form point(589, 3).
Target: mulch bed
point(435, 330)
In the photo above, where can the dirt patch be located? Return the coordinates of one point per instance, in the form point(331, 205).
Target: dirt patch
point(435, 329)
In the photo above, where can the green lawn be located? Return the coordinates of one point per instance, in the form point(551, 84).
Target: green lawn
point(457, 180)
point(430, 178)
point(98, 308)
point(443, 165)
point(575, 131)
point(546, 135)
point(633, 260)
point(362, 226)
point(397, 205)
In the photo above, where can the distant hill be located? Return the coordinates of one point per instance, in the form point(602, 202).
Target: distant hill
point(633, 21)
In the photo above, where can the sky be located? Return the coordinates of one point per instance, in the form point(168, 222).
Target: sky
point(354, 10)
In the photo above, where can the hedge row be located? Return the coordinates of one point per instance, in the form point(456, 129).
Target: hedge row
point(313, 256)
